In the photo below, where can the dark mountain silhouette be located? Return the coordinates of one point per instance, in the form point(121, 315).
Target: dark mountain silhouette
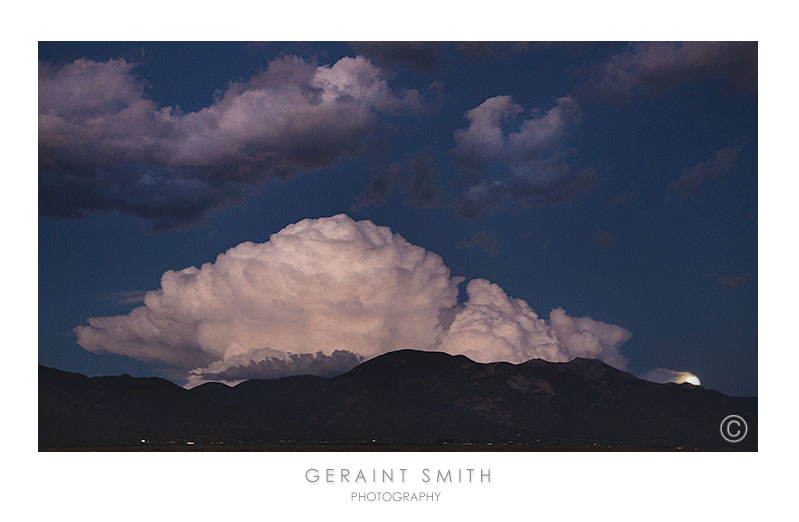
point(404, 397)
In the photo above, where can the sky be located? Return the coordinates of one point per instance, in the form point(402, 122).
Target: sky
point(538, 199)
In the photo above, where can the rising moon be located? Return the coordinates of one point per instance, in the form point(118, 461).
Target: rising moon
point(692, 379)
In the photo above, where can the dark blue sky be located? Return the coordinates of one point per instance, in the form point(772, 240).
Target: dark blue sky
point(674, 262)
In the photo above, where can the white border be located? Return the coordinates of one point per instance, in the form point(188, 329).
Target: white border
point(530, 486)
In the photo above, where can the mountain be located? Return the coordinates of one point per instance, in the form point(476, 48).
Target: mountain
point(404, 397)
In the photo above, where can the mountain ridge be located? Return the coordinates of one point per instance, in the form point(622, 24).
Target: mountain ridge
point(408, 396)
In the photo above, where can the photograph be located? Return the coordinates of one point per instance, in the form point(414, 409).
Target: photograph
point(397, 246)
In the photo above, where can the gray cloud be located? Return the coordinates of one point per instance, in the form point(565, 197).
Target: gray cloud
point(619, 200)
point(104, 146)
point(530, 167)
point(416, 55)
point(603, 238)
point(131, 297)
point(733, 281)
point(694, 177)
point(413, 175)
point(487, 241)
point(652, 67)
point(496, 50)
point(377, 191)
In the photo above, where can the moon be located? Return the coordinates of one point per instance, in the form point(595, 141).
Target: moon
point(692, 379)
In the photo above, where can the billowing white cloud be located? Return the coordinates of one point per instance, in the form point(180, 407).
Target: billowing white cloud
point(317, 285)
point(323, 293)
point(494, 327)
point(105, 146)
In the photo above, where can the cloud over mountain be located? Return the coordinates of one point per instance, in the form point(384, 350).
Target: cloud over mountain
point(104, 146)
point(323, 293)
point(317, 285)
point(494, 327)
point(266, 363)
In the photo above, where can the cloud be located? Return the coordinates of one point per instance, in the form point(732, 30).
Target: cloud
point(487, 241)
point(482, 199)
point(496, 50)
point(529, 167)
point(664, 375)
point(652, 67)
point(104, 146)
point(494, 327)
point(130, 297)
point(415, 55)
point(317, 285)
point(619, 200)
point(412, 175)
point(603, 238)
point(733, 281)
point(694, 177)
point(333, 284)
point(377, 191)
point(483, 141)
point(266, 363)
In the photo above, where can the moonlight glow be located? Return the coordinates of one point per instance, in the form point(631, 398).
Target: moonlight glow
point(692, 379)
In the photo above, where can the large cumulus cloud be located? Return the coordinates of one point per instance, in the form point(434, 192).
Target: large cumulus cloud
point(532, 166)
point(323, 294)
point(104, 146)
point(316, 285)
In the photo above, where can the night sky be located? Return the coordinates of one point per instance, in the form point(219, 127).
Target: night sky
point(614, 180)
